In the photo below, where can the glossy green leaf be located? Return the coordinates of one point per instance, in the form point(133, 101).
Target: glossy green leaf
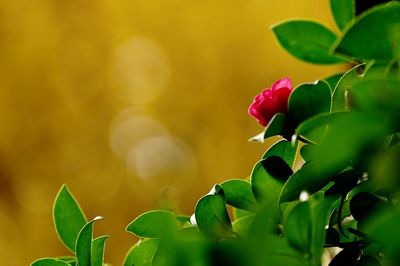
point(152, 224)
point(314, 128)
point(238, 213)
point(268, 177)
point(344, 182)
point(190, 233)
point(386, 170)
point(284, 149)
point(277, 168)
point(274, 250)
point(49, 262)
point(319, 120)
point(238, 193)
point(307, 40)
point(68, 217)
point(186, 250)
point(305, 225)
point(307, 179)
point(83, 248)
point(373, 35)
point(97, 255)
point(383, 227)
point(379, 97)
point(142, 253)
point(265, 224)
point(232, 252)
point(343, 11)
point(320, 210)
point(333, 80)
point(68, 259)
point(356, 130)
point(340, 100)
point(333, 154)
point(278, 125)
point(212, 217)
point(266, 186)
point(308, 100)
point(183, 219)
point(240, 226)
point(297, 227)
point(307, 152)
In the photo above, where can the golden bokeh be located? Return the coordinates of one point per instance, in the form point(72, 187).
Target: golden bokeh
point(134, 104)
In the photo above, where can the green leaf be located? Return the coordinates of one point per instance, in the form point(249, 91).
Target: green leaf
point(340, 101)
point(356, 130)
point(320, 210)
point(308, 41)
point(183, 219)
point(68, 217)
point(307, 152)
point(185, 250)
point(343, 11)
point(238, 193)
point(268, 177)
point(278, 125)
point(308, 179)
point(277, 168)
point(240, 226)
point(238, 213)
point(68, 259)
point(274, 250)
point(297, 227)
point(83, 247)
point(284, 149)
point(232, 252)
point(379, 97)
point(153, 224)
point(265, 224)
point(49, 262)
point(333, 154)
point(212, 217)
point(373, 35)
point(333, 80)
point(344, 182)
point(266, 186)
point(305, 225)
point(383, 227)
point(97, 256)
point(314, 128)
point(308, 100)
point(142, 253)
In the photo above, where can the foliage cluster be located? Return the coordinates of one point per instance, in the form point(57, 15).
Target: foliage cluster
point(327, 191)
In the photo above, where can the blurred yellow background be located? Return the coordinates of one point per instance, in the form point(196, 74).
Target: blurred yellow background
point(133, 104)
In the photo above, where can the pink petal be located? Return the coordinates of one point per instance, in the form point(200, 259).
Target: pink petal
point(282, 83)
point(282, 96)
point(267, 93)
point(259, 97)
point(255, 111)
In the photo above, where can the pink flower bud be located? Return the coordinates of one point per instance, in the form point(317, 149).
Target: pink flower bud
point(271, 101)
